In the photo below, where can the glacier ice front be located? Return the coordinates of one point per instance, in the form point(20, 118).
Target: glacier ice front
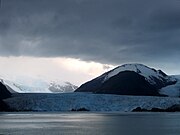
point(92, 102)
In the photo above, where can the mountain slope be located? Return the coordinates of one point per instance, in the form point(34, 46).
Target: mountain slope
point(129, 79)
point(4, 93)
point(172, 90)
point(134, 84)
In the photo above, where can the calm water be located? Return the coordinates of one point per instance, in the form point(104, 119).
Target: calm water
point(90, 123)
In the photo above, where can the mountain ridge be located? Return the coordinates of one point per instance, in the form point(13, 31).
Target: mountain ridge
point(39, 86)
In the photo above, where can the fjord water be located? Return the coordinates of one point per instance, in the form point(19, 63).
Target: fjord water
point(86, 123)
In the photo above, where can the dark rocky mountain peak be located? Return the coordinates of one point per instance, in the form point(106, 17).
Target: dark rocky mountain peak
point(129, 79)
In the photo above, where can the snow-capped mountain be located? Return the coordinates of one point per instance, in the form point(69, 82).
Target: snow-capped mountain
point(150, 74)
point(129, 79)
point(62, 88)
point(39, 86)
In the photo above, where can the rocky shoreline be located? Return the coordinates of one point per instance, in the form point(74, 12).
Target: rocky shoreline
point(174, 108)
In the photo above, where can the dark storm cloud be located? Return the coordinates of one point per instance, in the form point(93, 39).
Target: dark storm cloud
point(109, 31)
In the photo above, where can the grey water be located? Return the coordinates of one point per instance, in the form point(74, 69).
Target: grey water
point(77, 123)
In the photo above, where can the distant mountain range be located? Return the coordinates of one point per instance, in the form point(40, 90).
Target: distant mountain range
point(128, 79)
point(133, 79)
point(39, 86)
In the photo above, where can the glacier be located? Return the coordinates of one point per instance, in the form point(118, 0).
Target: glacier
point(92, 102)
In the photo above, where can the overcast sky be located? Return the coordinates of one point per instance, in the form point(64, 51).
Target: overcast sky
point(94, 34)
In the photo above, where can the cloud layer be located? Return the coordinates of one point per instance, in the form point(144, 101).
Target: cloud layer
point(107, 31)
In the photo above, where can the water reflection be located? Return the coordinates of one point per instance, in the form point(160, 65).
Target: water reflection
point(91, 123)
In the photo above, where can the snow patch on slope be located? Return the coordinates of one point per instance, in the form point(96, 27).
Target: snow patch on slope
point(172, 90)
